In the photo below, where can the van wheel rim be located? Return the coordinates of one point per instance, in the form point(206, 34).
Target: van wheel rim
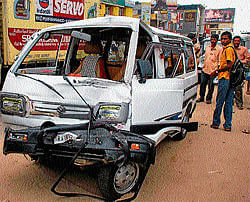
point(126, 177)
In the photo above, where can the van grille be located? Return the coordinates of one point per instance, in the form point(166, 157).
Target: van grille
point(61, 110)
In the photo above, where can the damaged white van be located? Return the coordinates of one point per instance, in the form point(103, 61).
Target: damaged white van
point(100, 91)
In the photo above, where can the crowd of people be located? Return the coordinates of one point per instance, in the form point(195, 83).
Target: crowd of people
point(218, 63)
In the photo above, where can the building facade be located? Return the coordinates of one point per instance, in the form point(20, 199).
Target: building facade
point(101, 8)
point(142, 10)
point(164, 14)
point(190, 18)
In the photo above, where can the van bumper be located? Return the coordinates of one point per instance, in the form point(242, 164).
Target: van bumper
point(105, 144)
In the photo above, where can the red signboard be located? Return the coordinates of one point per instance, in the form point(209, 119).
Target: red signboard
point(19, 37)
point(58, 11)
point(68, 9)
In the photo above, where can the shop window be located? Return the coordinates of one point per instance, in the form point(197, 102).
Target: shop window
point(121, 11)
point(214, 26)
point(108, 10)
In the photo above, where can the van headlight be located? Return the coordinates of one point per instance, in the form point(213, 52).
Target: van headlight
point(112, 112)
point(109, 112)
point(14, 104)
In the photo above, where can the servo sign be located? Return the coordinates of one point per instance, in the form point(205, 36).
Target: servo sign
point(59, 11)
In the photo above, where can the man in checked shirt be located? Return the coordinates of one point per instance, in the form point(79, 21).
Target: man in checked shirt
point(211, 62)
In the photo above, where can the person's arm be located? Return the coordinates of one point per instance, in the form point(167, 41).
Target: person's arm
point(227, 67)
point(230, 58)
point(79, 68)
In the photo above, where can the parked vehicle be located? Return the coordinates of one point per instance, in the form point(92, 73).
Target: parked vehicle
point(134, 86)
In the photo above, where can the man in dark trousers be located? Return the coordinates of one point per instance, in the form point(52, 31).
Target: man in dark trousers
point(243, 56)
point(225, 91)
point(211, 62)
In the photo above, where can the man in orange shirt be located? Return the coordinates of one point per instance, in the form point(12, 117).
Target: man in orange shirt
point(243, 56)
point(225, 91)
point(212, 56)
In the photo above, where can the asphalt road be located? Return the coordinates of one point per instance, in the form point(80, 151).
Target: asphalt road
point(209, 165)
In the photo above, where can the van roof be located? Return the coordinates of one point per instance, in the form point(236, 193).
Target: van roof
point(169, 34)
point(117, 21)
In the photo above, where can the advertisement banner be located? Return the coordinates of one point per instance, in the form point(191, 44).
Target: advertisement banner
point(57, 11)
point(22, 9)
point(174, 17)
point(220, 15)
point(20, 36)
point(190, 17)
point(44, 48)
point(146, 12)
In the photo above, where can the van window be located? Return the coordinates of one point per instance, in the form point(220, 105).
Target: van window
point(104, 56)
point(47, 55)
point(189, 59)
point(173, 62)
point(149, 55)
point(146, 51)
point(116, 59)
point(117, 52)
point(65, 52)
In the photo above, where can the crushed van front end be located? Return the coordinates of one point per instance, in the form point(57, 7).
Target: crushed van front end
point(111, 149)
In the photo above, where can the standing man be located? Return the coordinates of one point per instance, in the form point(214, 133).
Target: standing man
point(211, 62)
point(243, 56)
point(225, 91)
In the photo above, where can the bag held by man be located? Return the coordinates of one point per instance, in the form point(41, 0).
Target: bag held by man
point(237, 74)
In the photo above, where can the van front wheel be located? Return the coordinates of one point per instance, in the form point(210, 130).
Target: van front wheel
point(116, 181)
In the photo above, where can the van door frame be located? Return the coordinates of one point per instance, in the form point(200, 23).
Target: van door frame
point(154, 89)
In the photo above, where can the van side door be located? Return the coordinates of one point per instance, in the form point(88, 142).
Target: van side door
point(191, 77)
point(159, 97)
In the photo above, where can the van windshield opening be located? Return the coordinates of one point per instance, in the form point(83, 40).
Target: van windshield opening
point(103, 55)
point(47, 55)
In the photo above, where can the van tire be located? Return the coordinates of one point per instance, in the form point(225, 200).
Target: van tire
point(181, 135)
point(108, 181)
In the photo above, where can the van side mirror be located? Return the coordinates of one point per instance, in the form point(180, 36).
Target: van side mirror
point(144, 69)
